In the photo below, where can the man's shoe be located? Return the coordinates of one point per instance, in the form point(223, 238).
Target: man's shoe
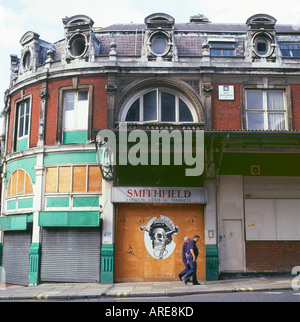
point(196, 283)
point(180, 277)
point(185, 282)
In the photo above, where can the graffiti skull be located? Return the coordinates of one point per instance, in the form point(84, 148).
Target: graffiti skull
point(159, 242)
point(160, 233)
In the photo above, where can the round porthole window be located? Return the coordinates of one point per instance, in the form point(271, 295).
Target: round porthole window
point(77, 45)
point(262, 46)
point(159, 44)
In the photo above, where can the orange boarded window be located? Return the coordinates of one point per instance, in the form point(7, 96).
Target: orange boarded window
point(81, 178)
point(19, 184)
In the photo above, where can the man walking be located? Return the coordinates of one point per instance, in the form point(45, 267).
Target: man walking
point(192, 252)
point(184, 257)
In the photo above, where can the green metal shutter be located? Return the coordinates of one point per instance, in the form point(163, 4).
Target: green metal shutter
point(15, 260)
point(70, 255)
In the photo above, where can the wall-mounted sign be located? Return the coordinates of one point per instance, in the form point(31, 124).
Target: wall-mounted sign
point(226, 92)
point(158, 237)
point(159, 195)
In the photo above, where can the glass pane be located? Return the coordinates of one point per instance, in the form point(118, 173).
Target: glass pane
point(69, 101)
point(216, 52)
point(21, 126)
point(261, 46)
point(150, 106)
point(296, 53)
point(167, 107)
point(27, 108)
point(228, 52)
point(133, 114)
point(159, 45)
point(26, 124)
point(22, 109)
point(255, 121)
point(185, 114)
point(276, 121)
point(254, 100)
point(275, 100)
point(285, 53)
point(82, 96)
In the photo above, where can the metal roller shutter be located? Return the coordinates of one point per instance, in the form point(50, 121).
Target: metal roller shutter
point(15, 260)
point(70, 255)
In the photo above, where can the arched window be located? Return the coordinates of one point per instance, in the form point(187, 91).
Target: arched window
point(19, 184)
point(158, 105)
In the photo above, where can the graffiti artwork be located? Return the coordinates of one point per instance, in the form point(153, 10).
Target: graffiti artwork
point(159, 237)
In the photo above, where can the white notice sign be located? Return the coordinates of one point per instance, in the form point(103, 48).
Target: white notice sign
point(159, 195)
point(226, 92)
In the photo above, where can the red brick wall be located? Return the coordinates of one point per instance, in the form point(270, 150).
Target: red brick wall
point(295, 98)
point(227, 115)
point(272, 256)
point(99, 118)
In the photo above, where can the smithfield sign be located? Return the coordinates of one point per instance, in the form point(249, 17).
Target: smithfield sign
point(159, 195)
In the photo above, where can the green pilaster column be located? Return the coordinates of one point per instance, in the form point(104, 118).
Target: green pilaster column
point(107, 264)
point(34, 264)
point(212, 263)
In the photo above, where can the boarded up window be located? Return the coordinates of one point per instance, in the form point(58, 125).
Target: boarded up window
point(19, 184)
point(80, 178)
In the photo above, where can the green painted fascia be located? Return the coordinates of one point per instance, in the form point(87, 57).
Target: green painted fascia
point(25, 203)
point(76, 157)
point(54, 202)
point(26, 164)
point(69, 219)
point(86, 202)
point(22, 144)
point(77, 137)
point(14, 222)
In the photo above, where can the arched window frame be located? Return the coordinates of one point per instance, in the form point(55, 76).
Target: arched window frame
point(26, 185)
point(159, 90)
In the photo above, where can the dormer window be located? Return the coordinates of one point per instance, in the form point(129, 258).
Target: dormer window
point(290, 50)
point(261, 37)
point(159, 44)
point(219, 48)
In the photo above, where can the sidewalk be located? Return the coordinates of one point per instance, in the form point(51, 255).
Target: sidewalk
point(67, 291)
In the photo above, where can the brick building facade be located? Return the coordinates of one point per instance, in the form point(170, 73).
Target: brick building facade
point(62, 219)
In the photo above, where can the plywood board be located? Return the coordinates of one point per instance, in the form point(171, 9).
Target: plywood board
point(133, 262)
